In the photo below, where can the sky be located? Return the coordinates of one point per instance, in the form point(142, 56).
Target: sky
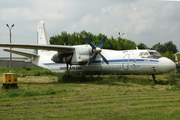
point(142, 21)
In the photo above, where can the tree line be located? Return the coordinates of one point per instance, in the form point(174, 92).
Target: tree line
point(79, 39)
point(167, 49)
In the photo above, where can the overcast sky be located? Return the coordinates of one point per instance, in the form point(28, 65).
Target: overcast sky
point(146, 21)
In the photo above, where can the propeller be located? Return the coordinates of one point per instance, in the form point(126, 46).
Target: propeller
point(96, 50)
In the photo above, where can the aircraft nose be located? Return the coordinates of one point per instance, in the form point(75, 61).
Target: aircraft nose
point(166, 65)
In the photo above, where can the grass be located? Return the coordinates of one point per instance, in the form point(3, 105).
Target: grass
point(131, 97)
point(92, 101)
point(27, 93)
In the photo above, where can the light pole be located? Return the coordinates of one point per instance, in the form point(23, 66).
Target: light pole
point(119, 40)
point(10, 64)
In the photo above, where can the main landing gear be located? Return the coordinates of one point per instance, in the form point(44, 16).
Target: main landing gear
point(67, 65)
point(66, 76)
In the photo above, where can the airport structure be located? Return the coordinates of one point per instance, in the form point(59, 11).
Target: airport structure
point(18, 62)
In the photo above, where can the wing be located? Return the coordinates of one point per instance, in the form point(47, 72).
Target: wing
point(59, 48)
point(22, 53)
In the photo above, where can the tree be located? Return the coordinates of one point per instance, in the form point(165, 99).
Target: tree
point(162, 48)
point(168, 46)
point(127, 44)
point(142, 46)
point(169, 55)
point(171, 47)
point(79, 39)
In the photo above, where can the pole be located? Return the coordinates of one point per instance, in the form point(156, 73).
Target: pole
point(10, 64)
point(119, 40)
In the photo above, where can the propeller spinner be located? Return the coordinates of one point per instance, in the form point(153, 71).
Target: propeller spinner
point(96, 50)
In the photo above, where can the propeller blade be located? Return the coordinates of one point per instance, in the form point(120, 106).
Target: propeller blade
point(90, 43)
point(105, 60)
point(96, 50)
point(91, 59)
point(102, 42)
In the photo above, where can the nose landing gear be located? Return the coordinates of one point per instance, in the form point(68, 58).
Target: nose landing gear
point(154, 78)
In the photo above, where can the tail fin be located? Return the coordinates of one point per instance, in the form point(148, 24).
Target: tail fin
point(42, 37)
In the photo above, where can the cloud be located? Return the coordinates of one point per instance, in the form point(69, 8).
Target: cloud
point(41, 10)
point(140, 19)
point(116, 10)
point(148, 21)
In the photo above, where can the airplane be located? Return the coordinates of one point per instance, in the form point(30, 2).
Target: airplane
point(91, 59)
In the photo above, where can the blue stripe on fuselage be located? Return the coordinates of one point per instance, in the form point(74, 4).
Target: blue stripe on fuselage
point(113, 61)
point(126, 60)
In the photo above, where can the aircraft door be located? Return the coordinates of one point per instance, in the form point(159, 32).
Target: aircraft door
point(125, 62)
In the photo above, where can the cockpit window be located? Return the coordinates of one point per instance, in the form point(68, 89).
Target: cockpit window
point(141, 53)
point(146, 53)
point(150, 54)
point(154, 53)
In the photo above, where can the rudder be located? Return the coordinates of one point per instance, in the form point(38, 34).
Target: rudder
point(42, 37)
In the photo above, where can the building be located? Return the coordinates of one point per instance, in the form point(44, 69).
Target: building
point(18, 62)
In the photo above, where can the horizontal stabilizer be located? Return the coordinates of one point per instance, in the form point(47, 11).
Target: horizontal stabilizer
point(59, 48)
point(21, 53)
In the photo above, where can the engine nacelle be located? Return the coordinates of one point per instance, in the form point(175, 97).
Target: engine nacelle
point(62, 58)
point(81, 55)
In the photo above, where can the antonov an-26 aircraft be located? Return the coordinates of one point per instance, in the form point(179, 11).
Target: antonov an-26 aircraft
point(91, 59)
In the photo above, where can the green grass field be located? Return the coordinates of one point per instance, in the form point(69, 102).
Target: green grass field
point(108, 97)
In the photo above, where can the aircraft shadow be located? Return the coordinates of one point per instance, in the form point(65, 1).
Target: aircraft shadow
point(111, 80)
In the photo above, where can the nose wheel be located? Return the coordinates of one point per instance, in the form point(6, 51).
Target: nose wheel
point(154, 78)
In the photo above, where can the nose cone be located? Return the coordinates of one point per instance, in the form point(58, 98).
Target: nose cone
point(55, 58)
point(166, 65)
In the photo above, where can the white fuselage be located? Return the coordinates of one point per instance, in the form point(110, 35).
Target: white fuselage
point(120, 62)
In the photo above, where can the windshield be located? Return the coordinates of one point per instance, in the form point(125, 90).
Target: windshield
point(150, 54)
point(154, 53)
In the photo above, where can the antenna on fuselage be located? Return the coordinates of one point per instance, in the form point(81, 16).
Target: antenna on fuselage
point(157, 46)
